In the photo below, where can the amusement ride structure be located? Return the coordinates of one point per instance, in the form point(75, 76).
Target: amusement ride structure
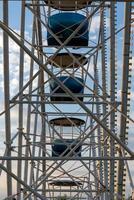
point(72, 135)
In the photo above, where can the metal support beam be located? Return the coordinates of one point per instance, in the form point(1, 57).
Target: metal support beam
point(104, 92)
point(42, 91)
point(7, 94)
point(112, 89)
point(65, 158)
point(124, 105)
point(20, 109)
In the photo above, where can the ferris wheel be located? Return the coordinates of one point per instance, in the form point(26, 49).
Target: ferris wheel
point(66, 100)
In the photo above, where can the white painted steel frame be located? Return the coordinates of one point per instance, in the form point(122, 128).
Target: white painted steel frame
point(100, 122)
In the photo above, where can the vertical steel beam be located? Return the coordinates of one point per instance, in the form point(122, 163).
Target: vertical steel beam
point(36, 117)
point(42, 92)
point(20, 120)
point(112, 91)
point(7, 95)
point(99, 132)
point(98, 110)
point(104, 86)
point(124, 96)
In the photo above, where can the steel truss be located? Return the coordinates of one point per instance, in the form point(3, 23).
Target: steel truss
point(94, 164)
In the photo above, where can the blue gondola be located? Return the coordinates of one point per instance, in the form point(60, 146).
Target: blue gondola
point(59, 147)
point(63, 25)
point(70, 83)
